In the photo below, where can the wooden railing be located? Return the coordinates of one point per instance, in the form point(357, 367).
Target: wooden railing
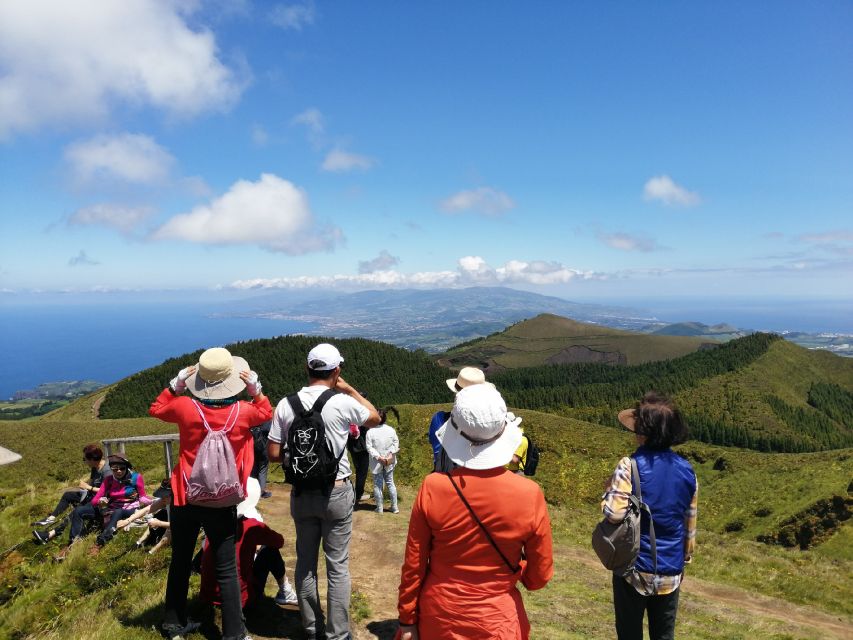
point(117, 445)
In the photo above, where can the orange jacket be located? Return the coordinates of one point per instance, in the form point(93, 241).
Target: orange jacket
point(454, 585)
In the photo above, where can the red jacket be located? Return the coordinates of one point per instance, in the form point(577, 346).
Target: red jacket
point(251, 533)
point(181, 411)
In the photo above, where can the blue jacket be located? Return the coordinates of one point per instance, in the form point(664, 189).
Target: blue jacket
point(438, 419)
point(667, 482)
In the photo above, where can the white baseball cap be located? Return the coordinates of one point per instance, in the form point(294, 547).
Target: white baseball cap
point(324, 357)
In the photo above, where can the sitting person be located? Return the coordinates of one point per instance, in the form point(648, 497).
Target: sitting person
point(93, 456)
point(383, 445)
point(258, 555)
point(117, 498)
point(158, 531)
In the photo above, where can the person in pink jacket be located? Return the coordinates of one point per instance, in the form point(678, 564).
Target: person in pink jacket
point(119, 495)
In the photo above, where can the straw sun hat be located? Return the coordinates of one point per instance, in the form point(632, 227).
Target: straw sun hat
point(480, 433)
point(217, 375)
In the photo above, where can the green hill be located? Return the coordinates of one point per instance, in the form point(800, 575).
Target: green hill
point(550, 339)
point(744, 496)
point(751, 392)
point(385, 373)
point(719, 332)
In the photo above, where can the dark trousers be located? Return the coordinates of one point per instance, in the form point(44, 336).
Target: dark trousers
point(630, 607)
point(220, 526)
point(110, 529)
point(69, 499)
point(361, 462)
point(268, 561)
point(80, 514)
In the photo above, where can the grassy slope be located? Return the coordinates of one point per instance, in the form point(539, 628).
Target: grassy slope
point(576, 459)
point(531, 342)
point(786, 371)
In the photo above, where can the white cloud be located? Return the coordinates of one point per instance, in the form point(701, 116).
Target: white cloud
point(81, 259)
point(382, 262)
point(120, 217)
point(828, 237)
point(311, 118)
point(340, 161)
point(663, 188)
point(471, 270)
point(293, 16)
point(260, 137)
point(628, 242)
point(271, 213)
point(484, 200)
point(128, 157)
point(71, 62)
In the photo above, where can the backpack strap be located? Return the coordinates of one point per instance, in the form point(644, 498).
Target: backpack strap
point(231, 415)
point(637, 490)
point(482, 526)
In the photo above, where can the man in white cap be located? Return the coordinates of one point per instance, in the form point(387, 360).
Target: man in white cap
point(324, 515)
point(467, 377)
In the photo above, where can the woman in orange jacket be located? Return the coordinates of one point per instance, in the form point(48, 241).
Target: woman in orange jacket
point(474, 533)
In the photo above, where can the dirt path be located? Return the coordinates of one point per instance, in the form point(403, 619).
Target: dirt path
point(377, 548)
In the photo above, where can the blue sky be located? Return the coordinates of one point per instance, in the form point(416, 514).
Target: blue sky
point(588, 150)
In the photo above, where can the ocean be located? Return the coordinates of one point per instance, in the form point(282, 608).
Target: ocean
point(59, 342)
point(109, 341)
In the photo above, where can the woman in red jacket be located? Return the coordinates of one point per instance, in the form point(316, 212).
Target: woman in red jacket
point(470, 530)
point(215, 383)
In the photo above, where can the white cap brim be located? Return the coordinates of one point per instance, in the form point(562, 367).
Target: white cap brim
point(486, 456)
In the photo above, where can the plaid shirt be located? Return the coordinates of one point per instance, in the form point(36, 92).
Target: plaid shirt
point(614, 506)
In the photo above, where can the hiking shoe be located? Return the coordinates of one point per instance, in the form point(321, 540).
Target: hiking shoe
point(286, 595)
point(44, 522)
point(177, 632)
point(41, 537)
point(365, 496)
point(395, 510)
point(266, 494)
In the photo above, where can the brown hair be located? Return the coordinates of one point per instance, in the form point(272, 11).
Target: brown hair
point(93, 452)
point(657, 418)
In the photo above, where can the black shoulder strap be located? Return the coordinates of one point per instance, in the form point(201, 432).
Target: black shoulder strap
point(482, 526)
point(319, 403)
point(638, 491)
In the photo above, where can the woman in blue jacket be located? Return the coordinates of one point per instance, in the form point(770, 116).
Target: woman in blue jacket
point(669, 487)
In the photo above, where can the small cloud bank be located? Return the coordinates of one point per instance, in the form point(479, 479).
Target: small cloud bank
point(483, 200)
point(128, 157)
point(82, 260)
point(628, 242)
point(271, 213)
point(382, 262)
point(311, 118)
point(664, 189)
point(340, 161)
point(471, 270)
point(120, 217)
point(65, 63)
point(293, 17)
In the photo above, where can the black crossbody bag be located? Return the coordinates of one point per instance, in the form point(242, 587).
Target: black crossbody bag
point(482, 526)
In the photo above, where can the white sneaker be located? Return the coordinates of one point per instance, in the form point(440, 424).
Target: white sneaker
point(286, 595)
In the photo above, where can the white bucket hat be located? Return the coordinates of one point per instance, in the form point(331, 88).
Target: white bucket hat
point(217, 375)
point(249, 507)
point(480, 433)
point(467, 377)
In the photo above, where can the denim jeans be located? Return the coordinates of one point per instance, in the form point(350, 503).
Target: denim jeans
point(631, 605)
point(220, 526)
point(86, 511)
point(110, 529)
point(326, 519)
point(384, 477)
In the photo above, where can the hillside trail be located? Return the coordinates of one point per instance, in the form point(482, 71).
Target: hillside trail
point(376, 553)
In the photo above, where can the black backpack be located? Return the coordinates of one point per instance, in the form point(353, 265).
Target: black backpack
point(531, 460)
point(310, 463)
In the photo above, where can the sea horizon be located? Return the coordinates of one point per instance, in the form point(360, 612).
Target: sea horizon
point(106, 341)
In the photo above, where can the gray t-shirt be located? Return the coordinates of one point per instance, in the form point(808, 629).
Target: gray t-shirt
point(339, 412)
